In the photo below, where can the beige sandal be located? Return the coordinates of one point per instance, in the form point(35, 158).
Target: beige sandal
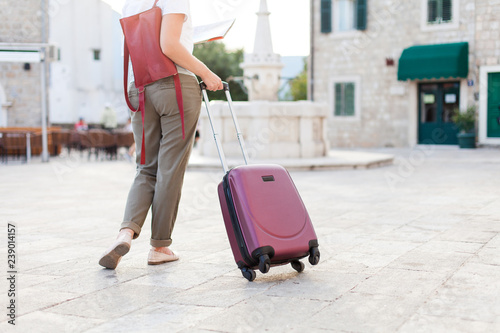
point(113, 255)
point(156, 258)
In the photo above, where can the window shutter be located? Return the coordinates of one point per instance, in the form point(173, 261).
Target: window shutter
point(338, 99)
point(447, 10)
point(432, 11)
point(361, 14)
point(349, 99)
point(345, 99)
point(326, 16)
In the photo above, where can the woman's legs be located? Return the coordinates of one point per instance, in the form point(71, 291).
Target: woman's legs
point(158, 183)
point(142, 190)
point(173, 155)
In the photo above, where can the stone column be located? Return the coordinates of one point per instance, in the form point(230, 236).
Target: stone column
point(262, 68)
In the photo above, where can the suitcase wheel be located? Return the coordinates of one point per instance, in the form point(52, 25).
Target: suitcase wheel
point(264, 263)
point(314, 256)
point(298, 265)
point(248, 273)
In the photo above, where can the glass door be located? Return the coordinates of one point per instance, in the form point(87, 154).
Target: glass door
point(437, 101)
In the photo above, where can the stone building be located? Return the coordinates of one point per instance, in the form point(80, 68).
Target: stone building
point(83, 61)
point(392, 71)
point(21, 29)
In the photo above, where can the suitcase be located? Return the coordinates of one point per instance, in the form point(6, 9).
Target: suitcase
point(266, 221)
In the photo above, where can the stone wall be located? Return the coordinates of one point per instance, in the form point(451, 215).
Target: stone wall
point(270, 129)
point(387, 114)
point(22, 88)
point(20, 22)
point(487, 33)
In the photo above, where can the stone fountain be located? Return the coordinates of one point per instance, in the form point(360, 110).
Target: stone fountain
point(271, 129)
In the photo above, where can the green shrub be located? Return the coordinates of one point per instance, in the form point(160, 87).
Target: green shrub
point(465, 120)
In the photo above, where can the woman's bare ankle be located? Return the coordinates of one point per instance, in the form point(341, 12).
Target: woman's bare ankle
point(165, 250)
point(126, 232)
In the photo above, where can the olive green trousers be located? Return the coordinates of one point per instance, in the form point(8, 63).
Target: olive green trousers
point(158, 183)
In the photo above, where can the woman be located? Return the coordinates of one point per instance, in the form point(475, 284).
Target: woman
point(158, 182)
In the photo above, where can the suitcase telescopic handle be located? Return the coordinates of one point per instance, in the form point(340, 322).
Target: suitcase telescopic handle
point(203, 86)
point(241, 141)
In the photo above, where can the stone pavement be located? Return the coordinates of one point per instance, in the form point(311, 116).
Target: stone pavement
point(412, 247)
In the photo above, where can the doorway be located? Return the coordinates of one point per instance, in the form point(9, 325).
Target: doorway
point(437, 102)
point(493, 117)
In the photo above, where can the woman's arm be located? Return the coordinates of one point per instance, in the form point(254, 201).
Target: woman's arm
point(171, 46)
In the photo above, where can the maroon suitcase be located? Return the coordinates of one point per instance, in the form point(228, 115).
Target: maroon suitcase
point(266, 221)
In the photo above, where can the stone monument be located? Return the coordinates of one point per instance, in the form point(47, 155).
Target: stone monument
point(262, 68)
point(271, 129)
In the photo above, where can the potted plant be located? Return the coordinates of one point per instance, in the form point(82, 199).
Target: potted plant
point(466, 121)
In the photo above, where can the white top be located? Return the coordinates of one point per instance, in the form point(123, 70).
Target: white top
point(133, 7)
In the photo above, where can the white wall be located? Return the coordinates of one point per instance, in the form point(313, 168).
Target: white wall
point(80, 86)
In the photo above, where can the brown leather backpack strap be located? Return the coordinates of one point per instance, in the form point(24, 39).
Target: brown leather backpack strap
point(126, 56)
point(142, 99)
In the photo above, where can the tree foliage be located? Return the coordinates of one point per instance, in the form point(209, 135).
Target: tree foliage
point(225, 64)
point(298, 86)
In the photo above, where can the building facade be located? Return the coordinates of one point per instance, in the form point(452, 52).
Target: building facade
point(83, 60)
point(394, 71)
point(88, 73)
point(23, 24)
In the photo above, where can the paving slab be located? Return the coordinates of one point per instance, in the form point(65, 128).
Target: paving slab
point(159, 317)
point(405, 247)
point(420, 323)
point(401, 282)
point(362, 312)
point(45, 322)
point(353, 262)
point(419, 260)
point(264, 313)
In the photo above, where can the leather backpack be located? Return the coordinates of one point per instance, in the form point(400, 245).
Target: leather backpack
point(142, 46)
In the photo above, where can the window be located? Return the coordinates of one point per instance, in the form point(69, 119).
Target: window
point(440, 15)
point(97, 54)
point(344, 99)
point(439, 11)
point(326, 16)
point(343, 12)
point(343, 15)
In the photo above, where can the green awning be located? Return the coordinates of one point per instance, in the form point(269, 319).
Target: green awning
point(434, 61)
